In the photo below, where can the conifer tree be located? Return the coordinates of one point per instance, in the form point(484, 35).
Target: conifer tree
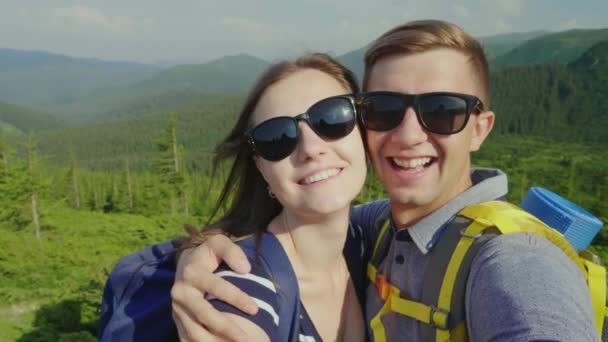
point(73, 180)
point(169, 166)
point(129, 186)
point(34, 183)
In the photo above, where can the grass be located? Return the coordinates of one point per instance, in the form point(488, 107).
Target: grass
point(70, 263)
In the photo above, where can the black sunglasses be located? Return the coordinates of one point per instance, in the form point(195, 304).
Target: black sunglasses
point(331, 118)
point(441, 113)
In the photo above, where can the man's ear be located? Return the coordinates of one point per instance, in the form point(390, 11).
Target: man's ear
point(484, 122)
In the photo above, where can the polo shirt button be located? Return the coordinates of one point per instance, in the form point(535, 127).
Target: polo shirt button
point(399, 259)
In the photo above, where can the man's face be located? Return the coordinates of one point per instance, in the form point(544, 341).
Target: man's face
point(421, 171)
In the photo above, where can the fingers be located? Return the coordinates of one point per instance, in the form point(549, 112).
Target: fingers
point(188, 330)
point(230, 294)
point(226, 250)
point(211, 284)
point(199, 320)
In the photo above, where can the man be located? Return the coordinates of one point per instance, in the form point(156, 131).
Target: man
point(520, 287)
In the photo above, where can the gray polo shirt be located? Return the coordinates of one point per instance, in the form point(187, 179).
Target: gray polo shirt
point(521, 287)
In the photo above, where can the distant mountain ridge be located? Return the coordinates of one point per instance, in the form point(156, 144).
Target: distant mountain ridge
point(554, 48)
point(33, 77)
point(81, 89)
point(500, 44)
point(564, 102)
point(494, 46)
point(11, 59)
point(227, 75)
point(26, 119)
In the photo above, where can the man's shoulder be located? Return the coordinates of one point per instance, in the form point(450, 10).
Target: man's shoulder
point(523, 281)
point(519, 247)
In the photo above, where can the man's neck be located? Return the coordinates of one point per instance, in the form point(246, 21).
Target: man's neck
point(405, 215)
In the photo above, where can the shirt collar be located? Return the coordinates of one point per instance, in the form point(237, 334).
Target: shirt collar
point(488, 184)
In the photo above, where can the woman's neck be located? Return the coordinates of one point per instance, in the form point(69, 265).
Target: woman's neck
point(313, 244)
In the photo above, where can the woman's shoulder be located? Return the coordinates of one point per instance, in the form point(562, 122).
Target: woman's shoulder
point(260, 283)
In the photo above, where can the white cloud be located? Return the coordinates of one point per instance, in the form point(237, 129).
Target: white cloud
point(80, 15)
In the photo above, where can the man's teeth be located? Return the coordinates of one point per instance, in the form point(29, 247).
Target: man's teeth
point(319, 176)
point(411, 163)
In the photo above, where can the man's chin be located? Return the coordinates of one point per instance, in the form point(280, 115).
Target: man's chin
point(411, 200)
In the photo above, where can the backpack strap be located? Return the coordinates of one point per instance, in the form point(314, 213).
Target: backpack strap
point(272, 256)
point(440, 256)
point(508, 218)
point(442, 307)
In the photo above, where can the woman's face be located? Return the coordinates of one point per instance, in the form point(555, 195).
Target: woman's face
point(320, 176)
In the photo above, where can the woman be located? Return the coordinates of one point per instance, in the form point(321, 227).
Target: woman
point(299, 161)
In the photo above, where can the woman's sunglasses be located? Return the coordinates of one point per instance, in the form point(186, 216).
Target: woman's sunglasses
point(440, 113)
point(331, 118)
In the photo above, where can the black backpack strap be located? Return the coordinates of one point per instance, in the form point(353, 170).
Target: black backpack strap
point(273, 257)
point(440, 256)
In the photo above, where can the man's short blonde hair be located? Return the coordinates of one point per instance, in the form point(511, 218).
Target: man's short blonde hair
point(424, 35)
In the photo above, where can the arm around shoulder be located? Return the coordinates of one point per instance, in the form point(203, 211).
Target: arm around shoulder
point(522, 287)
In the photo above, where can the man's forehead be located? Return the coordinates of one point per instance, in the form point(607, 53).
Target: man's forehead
point(434, 70)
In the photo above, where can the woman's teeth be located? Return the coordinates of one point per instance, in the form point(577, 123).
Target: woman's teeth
point(319, 176)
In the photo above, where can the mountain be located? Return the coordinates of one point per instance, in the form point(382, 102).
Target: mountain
point(354, 61)
point(562, 47)
point(494, 46)
point(33, 77)
point(500, 44)
point(565, 102)
point(594, 59)
point(227, 75)
point(104, 144)
point(230, 74)
point(25, 119)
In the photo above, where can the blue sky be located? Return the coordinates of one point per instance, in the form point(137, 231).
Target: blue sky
point(201, 30)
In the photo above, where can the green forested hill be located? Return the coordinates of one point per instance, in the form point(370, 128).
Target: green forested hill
point(494, 46)
point(201, 124)
point(500, 44)
point(230, 74)
point(562, 47)
point(566, 102)
point(26, 119)
point(227, 75)
point(33, 77)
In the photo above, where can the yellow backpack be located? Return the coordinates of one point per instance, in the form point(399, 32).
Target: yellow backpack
point(442, 305)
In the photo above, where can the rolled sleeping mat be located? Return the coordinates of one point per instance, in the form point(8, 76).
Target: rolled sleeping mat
point(577, 224)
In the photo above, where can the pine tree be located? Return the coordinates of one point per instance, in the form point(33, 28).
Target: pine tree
point(34, 183)
point(129, 186)
point(73, 181)
point(171, 170)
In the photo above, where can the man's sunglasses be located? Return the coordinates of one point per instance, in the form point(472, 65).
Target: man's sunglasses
point(441, 113)
point(331, 118)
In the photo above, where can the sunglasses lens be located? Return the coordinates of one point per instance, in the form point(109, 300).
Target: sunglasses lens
point(333, 118)
point(276, 138)
point(382, 112)
point(443, 114)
